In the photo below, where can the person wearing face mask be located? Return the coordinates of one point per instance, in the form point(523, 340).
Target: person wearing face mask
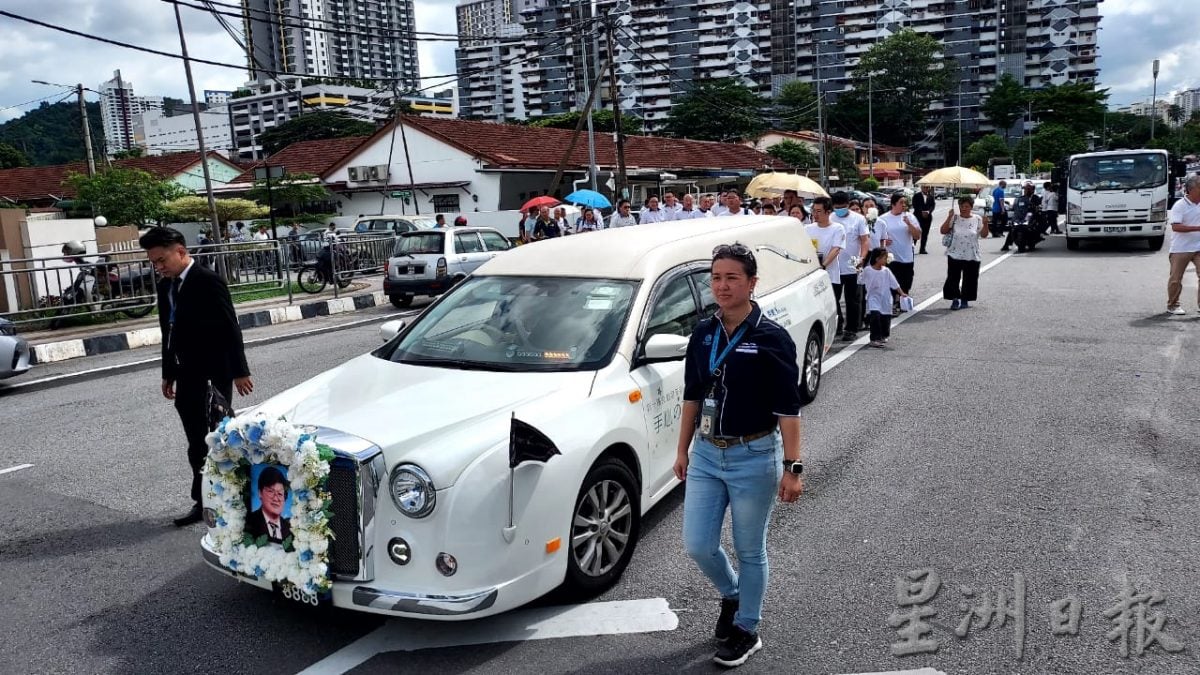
point(829, 238)
point(857, 242)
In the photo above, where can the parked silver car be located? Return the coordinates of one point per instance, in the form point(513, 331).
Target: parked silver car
point(14, 351)
point(430, 262)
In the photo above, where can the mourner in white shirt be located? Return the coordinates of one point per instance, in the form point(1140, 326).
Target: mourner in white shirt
point(689, 211)
point(652, 212)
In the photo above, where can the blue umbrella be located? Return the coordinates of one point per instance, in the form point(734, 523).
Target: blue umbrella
point(588, 198)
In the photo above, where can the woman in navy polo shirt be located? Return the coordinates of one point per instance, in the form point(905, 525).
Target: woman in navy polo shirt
point(741, 393)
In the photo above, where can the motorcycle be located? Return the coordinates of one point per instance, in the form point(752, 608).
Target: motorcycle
point(315, 275)
point(98, 286)
point(1026, 234)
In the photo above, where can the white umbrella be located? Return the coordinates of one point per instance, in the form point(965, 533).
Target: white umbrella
point(773, 184)
point(955, 177)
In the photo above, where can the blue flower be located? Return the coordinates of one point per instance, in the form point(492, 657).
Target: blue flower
point(221, 522)
point(304, 438)
point(306, 556)
point(233, 564)
point(302, 495)
point(221, 426)
point(226, 465)
point(255, 434)
point(218, 488)
point(235, 437)
point(258, 571)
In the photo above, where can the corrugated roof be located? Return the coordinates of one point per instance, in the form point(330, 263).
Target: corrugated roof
point(315, 157)
point(514, 146)
point(35, 183)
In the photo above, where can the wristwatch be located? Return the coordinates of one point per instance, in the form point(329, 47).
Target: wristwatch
point(793, 466)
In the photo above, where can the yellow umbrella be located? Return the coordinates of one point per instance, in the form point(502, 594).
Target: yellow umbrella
point(955, 177)
point(773, 184)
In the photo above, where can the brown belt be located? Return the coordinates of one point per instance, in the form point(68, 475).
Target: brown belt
point(724, 442)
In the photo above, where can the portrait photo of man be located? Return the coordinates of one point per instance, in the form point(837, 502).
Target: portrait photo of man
point(270, 519)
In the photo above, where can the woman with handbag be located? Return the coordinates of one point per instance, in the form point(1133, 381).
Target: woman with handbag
point(960, 235)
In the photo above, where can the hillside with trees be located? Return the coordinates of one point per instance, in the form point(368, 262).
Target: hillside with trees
point(51, 134)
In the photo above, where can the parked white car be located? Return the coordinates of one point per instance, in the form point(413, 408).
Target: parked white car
point(430, 262)
point(14, 351)
point(576, 342)
point(380, 225)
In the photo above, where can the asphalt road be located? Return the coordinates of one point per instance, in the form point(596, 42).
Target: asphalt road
point(1049, 431)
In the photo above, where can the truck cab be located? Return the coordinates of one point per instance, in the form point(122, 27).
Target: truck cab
point(1118, 194)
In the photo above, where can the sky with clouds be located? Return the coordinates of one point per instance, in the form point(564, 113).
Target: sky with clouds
point(1133, 33)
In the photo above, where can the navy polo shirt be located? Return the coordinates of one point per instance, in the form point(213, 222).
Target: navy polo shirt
point(759, 380)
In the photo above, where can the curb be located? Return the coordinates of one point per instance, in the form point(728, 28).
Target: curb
point(63, 350)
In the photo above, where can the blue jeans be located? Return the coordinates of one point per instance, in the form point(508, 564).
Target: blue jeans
point(745, 478)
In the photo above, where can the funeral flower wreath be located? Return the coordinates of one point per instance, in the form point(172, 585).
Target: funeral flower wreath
point(240, 442)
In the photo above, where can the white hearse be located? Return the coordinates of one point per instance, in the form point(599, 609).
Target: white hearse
point(510, 439)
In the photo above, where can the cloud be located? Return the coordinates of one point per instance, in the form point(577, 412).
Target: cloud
point(31, 52)
point(1136, 32)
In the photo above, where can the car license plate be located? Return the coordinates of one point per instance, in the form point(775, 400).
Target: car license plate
point(294, 592)
point(1114, 229)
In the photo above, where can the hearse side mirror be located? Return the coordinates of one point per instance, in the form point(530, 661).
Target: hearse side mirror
point(391, 329)
point(665, 346)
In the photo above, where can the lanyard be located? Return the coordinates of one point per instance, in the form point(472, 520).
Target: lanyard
point(714, 361)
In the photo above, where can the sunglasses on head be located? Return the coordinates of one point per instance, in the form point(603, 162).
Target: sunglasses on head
point(739, 250)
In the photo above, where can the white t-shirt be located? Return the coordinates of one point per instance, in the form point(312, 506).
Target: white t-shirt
point(896, 228)
point(648, 215)
point(1185, 213)
point(856, 226)
point(618, 220)
point(672, 211)
point(690, 215)
point(878, 284)
point(965, 244)
point(1050, 201)
point(829, 238)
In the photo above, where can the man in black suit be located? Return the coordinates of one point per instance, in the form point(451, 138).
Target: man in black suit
point(268, 518)
point(923, 206)
point(202, 344)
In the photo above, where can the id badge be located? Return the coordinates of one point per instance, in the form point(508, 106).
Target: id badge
point(708, 413)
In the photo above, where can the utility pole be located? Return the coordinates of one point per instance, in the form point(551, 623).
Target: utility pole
point(87, 131)
point(187, 69)
point(871, 123)
point(959, 162)
point(587, 112)
point(587, 77)
point(616, 106)
point(820, 116)
point(1154, 101)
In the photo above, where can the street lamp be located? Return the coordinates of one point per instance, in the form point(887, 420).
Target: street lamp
point(1154, 100)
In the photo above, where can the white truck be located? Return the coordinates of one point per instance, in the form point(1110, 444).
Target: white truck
point(1118, 194)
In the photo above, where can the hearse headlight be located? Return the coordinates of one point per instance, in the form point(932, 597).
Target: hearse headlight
point(412, 490)
point(1158, 211)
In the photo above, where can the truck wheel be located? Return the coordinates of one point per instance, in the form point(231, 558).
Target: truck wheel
point(1072, 244)
point(604, 528)
point(810, 371)
point(1156, 243)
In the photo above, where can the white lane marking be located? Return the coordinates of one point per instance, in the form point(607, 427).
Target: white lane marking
point(15, 468)
point(156, 359)
point(542, 623)
point(861, 342)
point(919, 671)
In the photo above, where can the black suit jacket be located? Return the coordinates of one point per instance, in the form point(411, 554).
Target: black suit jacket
point(256, 526)
point(923, 203)
point(206, 341)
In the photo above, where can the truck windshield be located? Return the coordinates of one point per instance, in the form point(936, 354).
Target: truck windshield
point(1118, 172)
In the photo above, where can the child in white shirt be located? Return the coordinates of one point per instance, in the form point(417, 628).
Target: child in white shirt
point(878, 283)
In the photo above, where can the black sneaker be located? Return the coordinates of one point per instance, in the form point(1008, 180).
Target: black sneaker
point(729, 607)
point(737, 649)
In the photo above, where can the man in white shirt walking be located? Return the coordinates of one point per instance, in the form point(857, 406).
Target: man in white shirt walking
point(857, 239)
point(622, 217)
point(671, 206)
point(1185, 241)
point(733, 205)
point(652, 212)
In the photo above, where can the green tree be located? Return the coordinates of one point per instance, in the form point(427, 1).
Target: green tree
point(1076, 105)
point(313, 126)
point(796, 106)
point(717, 110)
point(907, 72)
point(131, 153)
point(194, 208)
point(1052, 143)
point(294, 189)
point(125, 196)
point(11, 158)
point(868, 184)
point(602, 120)
point(978, 153)
point(1175, 114)
point(1005, 104)
point(1125, 130)
point(51, 134)
point(795, 155)
point(842, 165)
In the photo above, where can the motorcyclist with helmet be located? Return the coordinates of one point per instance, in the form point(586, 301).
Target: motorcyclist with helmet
point(1026, 213)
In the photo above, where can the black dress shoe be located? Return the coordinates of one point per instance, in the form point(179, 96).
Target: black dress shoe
point(193, 516)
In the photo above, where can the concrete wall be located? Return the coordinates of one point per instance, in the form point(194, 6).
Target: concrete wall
point(26, 283)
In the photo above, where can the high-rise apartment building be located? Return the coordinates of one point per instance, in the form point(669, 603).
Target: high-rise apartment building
point(1188, 102)
point(118, 109)
point(338, 39)
point(663, 46)
point(490, 59)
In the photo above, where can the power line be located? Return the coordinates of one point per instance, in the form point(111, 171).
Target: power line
point(36, 100)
